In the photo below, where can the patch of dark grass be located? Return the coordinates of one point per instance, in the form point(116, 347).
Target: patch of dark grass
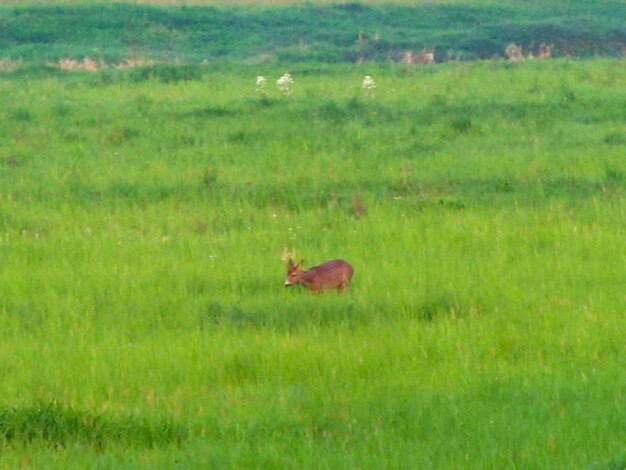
point(61, 110)
point(618, 462)
point(504, 185)
point(331, 111)
point(354, 110)
point(210, 112)
point(614, 176)
point(21, 114)
point(167, 73)
point(209, 177)
point(12, 161)
point(444, 304)
point(241, 368)
point(28, 312)
point(238, 137)
point(461, 124)
point(121, 134)
point(567, 188)
point(121, 192)
point(452, 203)
point(615, 138)
point(60, 426)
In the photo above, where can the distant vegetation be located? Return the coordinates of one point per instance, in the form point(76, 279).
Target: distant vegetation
point(347, 32)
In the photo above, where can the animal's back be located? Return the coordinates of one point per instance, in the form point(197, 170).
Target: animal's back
point(335, 274)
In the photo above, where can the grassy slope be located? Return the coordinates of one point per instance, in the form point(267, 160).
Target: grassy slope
point(141, 230)
point(294, 33)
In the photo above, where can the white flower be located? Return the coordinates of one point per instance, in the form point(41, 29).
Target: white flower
point(260, 85)
point(369, 86)
point(283, 84)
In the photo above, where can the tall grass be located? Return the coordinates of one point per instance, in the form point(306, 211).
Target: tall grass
point(143, 318)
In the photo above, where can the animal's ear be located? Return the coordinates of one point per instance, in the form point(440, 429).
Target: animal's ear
point(300, 264)
point(290, 264)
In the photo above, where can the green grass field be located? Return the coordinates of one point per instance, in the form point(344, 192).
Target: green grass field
point(144, 218)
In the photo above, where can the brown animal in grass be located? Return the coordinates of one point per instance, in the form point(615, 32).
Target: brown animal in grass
point(335, 274)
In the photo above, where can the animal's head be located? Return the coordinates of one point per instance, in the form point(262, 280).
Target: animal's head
point(294, 271)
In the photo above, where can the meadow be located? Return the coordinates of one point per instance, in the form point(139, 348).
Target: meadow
point(145, 216)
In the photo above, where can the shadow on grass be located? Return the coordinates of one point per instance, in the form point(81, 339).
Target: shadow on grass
point(288, 317)
point(330, 310)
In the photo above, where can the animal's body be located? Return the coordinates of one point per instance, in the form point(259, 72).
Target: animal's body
point(335, 274)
